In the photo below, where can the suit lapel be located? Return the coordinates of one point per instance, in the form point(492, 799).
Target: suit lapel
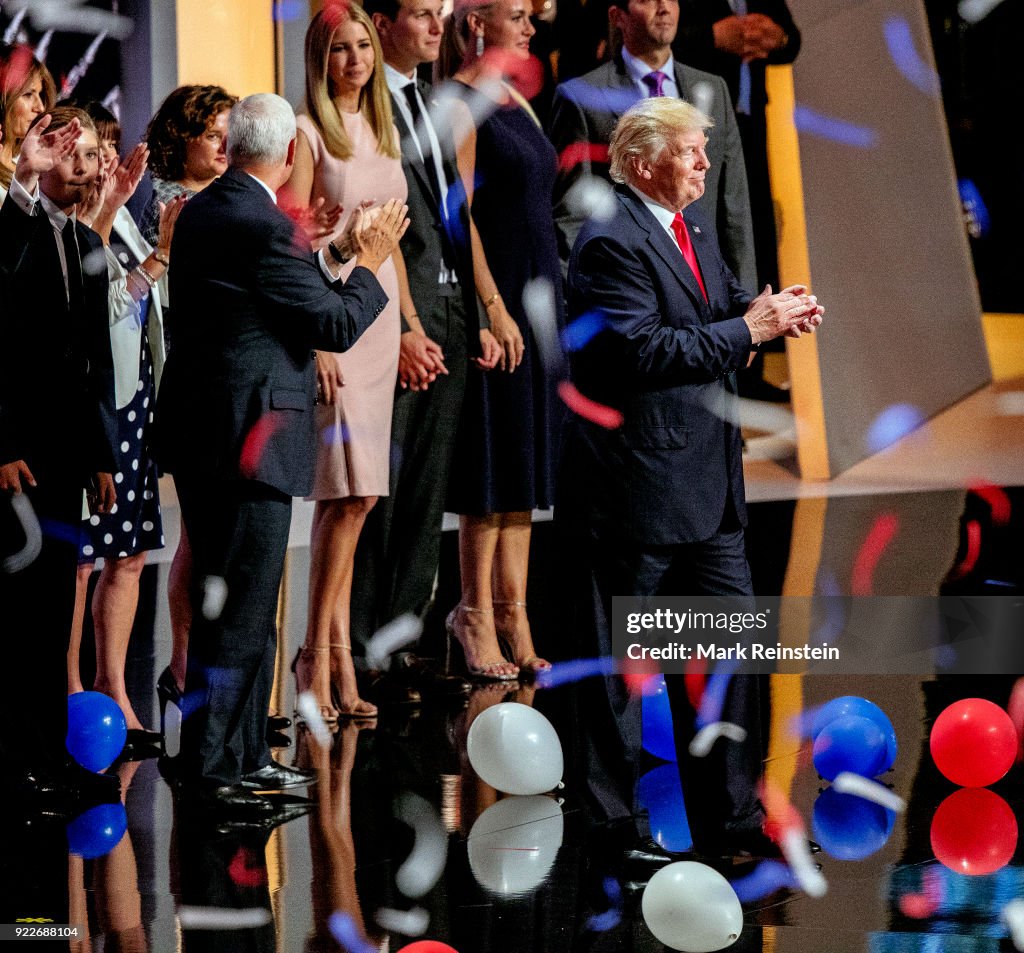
point(705, 256)
point(410, 153)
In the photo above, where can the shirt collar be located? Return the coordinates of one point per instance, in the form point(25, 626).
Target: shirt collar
point(266, 188)
point(58, 219)
point(396, 81)
point(662, 214)
point(638, 69)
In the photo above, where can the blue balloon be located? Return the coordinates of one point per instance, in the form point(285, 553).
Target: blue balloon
point(849, 827)
point(97, 831)
point(96, 730)
point(661, 792)
point(852, 705)
point(656, 720)
point(849, 743)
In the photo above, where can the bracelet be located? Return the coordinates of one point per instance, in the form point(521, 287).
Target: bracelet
point(161, 258)
point(494, 297)
point(145, 275)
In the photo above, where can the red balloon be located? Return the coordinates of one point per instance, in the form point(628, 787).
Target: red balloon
point(973, 743)
point(974, 832)
point(428, 946)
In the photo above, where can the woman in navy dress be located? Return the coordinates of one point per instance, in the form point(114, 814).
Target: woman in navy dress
point(503, 462)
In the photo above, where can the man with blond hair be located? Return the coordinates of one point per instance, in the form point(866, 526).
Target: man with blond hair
point(656, 505)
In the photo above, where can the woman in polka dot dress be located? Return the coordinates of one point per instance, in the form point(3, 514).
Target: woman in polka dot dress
point(123, 536)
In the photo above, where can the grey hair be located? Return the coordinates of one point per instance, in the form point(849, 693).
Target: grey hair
point(645, 128)
point(260, 127)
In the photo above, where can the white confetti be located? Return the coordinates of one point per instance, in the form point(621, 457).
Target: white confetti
point(798, 856)
point(223, 918)
point(43, 47)
point(704, 740)
point(309, 711)
point(703, 97)
point(973, 11)
point(215, 593)
point(592, 197)
point(11, 33)
point(26, 515)
point(412, 922)
point(425, 863)
point(846, 782)
point(1013, 917)
point(541, 312)
point(1011, 404)
point(389, 638)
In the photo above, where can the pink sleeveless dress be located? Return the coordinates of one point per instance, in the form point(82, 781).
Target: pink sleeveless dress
point(354, 449)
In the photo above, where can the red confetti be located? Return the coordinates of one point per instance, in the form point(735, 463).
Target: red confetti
point(607, 417)
point(256, 442)
point(964, 567)
point(878, 538)
point(916, 906)
point(997, 499)
point(695, 679)
point(581, 152)
point(247, 869)
point(782, 817)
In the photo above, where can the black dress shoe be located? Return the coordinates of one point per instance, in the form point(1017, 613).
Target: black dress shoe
point(228, 799)
point(650, 853)
point(276, 777)
point(267, 822)
point(278, 739)
point(85, 787)
point(278, 723)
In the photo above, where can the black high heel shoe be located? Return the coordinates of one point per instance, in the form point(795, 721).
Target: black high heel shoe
point(168, 693)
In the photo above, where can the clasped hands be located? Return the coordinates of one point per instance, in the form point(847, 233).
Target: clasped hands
point(790, 312)
point(752, 36)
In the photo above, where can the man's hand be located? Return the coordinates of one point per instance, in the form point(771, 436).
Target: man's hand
point(420, 360)
point(168, 219)
point(490, 351)
point(318, 222)
point(42, 150)
point(763, 36)
point(329, 378)
point(506, 332)
point(126, 176)
point(376, 236)
point(89, 208)
point(11, 475)
point(730, 36)
point(772, 315)
point(106, 494)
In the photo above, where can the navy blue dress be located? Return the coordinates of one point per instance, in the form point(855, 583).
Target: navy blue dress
point(504, 452)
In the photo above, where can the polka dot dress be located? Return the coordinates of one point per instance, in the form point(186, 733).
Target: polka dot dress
point(133, 525)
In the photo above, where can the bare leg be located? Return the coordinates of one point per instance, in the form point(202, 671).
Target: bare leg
point(113, 613)
point(77, 624)
point(472, 621)
point(179, 601)
point(511, 566)
point(326, 658)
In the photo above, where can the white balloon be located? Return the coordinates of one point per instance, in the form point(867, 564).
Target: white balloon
point(513, 844)
point(690, 907)
point(515, 749)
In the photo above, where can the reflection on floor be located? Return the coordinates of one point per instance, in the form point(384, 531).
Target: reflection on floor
point(536, 872)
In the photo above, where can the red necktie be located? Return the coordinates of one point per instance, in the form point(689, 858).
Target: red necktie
point(682, 234)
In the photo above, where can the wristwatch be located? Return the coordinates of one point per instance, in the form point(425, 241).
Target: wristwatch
point(337, 255)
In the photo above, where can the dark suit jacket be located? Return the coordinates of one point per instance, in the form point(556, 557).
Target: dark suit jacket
point(664, 359)
point(56, 370)
point(430, 233)
point(250, 303)
point(695, 45)
point(586, 110)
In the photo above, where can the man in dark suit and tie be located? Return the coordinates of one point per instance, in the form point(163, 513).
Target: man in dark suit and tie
point(400, 545)
point(57, 434)
point(237, 429)
point(586, 109)
point(656, 505)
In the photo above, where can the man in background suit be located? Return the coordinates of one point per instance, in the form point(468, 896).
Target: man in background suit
point(237, 430)
point(656, 506)
point(57, 433)
point(586, 109)
point(399, 548)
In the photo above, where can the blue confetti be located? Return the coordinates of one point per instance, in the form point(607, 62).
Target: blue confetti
point(713, 700)
point(838, 130)
point(891, 424)
point(975, 210)
point(286, 10)
point(900, 41)
point(764, 879)
point(564, 673)
point(577, 333)
point(348, 935)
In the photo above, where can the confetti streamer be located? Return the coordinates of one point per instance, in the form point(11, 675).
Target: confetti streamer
point(974, 11)
point(389, 638)
point(11, 33)
point(607, 417)
point(846, 782)
point(763, 880)
point(817, 124)
point(425, 863)
point(82, 66)
point(29, 523)
point(43, 47)
point(704, 740)
point(412, 922)
point(223, 918)
point(347, 933)
point(309, 711)
point(786, 828)
point(964, 567)
point(541, 312)
point(899, 38)
point(578, 152)
point(997, 499)
point(577, 333)
point(565, 673)
point(882, 532)
point(215, 594)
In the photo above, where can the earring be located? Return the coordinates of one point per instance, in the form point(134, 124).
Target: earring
point(479, 44)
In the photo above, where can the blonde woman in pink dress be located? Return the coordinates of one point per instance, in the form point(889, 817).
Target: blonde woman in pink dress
point(347, 154)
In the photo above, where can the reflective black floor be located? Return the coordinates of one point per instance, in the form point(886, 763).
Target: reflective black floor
point(408, 844)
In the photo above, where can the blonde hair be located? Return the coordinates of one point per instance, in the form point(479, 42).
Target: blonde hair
point(455, 43)
point(18, 70)
point(374, 99)
point(645, 128)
